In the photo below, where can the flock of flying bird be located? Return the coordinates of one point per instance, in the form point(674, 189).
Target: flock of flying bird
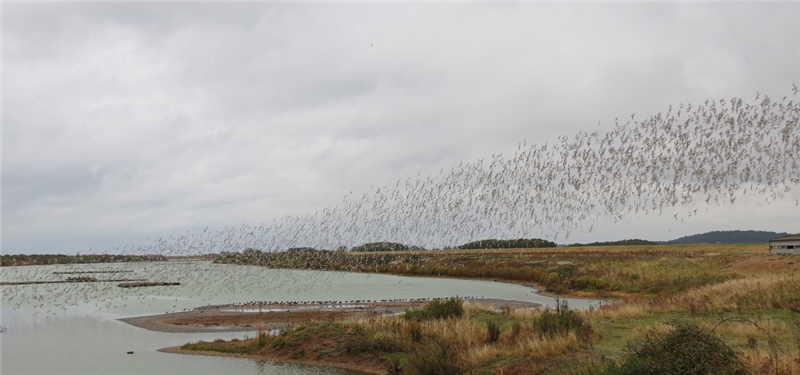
point(708, 154)
point(713, 152)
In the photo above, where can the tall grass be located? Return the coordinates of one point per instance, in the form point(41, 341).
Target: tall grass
point(764, 292)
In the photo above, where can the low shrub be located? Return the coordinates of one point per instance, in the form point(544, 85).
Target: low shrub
point(452, 308)
point(561, 321)
point(684, 349)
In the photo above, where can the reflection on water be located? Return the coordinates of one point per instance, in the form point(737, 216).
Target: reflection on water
point(71, 328)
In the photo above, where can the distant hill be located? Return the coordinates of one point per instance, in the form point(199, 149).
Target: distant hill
point(728, 236)
point(615, 243)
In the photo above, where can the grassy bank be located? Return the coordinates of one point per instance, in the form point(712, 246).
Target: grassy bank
point(603, 271)
point(734, 306)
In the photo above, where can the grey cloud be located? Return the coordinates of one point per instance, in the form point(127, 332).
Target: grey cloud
point(175, 116)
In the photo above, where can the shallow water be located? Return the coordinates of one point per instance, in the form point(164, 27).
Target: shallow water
point(73, 329)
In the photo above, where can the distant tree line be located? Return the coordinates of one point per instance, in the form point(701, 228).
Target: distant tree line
point(522, 243)
point(616, 243)
point(302, 250)
point(381, 246)
point(296, 258)
point(44, 259)
point(360, 256)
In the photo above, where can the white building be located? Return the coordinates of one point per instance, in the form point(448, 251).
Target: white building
point(785, 245)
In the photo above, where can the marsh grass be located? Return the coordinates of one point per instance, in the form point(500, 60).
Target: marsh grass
point(595, 271)
point(771, 291)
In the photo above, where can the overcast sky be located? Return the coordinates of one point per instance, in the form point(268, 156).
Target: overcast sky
point(121, 122)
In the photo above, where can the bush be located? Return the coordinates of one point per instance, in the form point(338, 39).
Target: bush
point(684, 349)
point(561, 321)
point(452, 308)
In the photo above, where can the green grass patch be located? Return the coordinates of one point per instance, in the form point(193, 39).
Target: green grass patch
point(237, 347)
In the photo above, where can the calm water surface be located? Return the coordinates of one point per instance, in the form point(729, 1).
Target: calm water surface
point(73, 328)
